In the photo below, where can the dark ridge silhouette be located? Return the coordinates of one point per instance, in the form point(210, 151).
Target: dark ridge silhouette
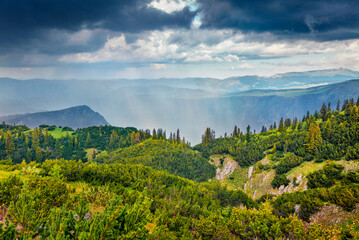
point(74, 117)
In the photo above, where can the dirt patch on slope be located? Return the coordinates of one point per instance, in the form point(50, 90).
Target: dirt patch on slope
point(223, 170)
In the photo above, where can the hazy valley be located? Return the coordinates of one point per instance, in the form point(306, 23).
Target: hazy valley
point(190, 105)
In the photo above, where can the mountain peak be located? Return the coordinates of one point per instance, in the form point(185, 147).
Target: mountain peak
point(75, 117)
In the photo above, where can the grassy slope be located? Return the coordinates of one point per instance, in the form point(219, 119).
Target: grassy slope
point(58, 133)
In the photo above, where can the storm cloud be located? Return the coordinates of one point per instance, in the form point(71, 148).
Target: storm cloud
point(85, 39)
point(316, 19)
point(31, 24)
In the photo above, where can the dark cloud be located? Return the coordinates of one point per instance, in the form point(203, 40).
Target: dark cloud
point(124, 15)
point(27, 24)
point(316, 19)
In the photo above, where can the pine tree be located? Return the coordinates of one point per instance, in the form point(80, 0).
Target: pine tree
point(294, 125)
point(235, 131)
point(76, 143)
point(207, 137)
point(35, 139)
point(47, 153)
point(46, 137)
point(28, 155)
point(160, 133)
point(9, 143)
point(248, 134)
point(38, 156)
point(287, 122)
point(27, 141)
point(281, 125)
point(57, 148)
point(263, 130)
point(351, 102)
point(354, 114)
point(114, 138)
point(178, 136)
point(323, 111)
point(327, 129)
point(88, 141)
point(346, 102)
point(133, 138)
point(154, 134)
point(313, 138)
point(40, 134)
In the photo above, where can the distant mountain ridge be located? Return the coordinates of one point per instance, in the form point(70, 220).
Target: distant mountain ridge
point(189, 104)
point(74, 117)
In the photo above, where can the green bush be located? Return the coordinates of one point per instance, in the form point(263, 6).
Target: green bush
point(325, 177)
point(279, 180)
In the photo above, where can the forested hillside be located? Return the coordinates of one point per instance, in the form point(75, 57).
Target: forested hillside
point(178, 159)
point(188, 104)
point(48, 142)
point(122, 182)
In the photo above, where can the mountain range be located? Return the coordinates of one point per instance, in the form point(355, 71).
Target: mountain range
point(190, 104)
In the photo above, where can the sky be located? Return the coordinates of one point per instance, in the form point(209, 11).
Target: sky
point(110, 39)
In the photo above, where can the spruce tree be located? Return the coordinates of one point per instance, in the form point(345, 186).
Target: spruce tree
point(207, 136)
point(178, 136)
point(46, 137)
point(338, 106)
point(114, 138)
point(28, 155)
point(154, 134)
point(248, 134)
point(287, 122)
point(35, 139)
point(294, 125)
point(235, 131)
point(38, 156)
point(9, 143)
point(323, 111)
point(281, 125)
point(88, 141)
point(313, 138)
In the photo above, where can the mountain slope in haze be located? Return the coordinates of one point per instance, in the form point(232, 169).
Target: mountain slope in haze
point(191, 104)
point(74, 117)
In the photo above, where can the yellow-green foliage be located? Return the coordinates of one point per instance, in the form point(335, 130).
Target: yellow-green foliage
point(98, 205)
point(262, 224)
point(175, 158)
point(59, 132)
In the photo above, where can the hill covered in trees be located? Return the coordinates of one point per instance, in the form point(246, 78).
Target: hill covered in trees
point(47, 142)
point(123, 182)
point(178, 159)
